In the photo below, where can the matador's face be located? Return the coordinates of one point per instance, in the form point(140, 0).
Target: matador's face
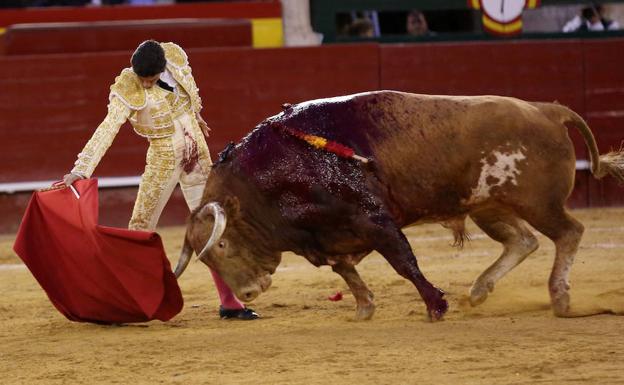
point(149, 81)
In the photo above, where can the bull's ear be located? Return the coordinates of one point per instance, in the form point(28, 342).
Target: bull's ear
point(231, 205)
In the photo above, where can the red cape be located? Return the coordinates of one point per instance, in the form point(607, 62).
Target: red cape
point(94, 273)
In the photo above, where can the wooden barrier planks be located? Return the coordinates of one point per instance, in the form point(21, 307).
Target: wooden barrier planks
point(23, 39)
point(50, 106)
point(604, 100)
point(232, 10)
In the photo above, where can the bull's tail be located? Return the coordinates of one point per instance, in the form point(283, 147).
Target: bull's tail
point(185, 257)
point(601, 165)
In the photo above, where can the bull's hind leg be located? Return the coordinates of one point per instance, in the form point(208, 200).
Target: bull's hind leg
point(363, 296)
point(566, 233)
point(518, 242)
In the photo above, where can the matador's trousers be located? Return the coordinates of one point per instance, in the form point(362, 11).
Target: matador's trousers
point(164, 170)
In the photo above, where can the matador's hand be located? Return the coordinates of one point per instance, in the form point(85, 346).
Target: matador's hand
point(70, 178)
point(203, 125)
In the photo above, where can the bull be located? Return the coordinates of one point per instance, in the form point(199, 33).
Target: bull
point(501, 161)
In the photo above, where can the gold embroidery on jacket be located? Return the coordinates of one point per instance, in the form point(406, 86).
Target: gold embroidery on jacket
point(175, 54)
point(156, 119)
point(102, 138)
point(129, 89)
point(159, 169)
point(177, 64)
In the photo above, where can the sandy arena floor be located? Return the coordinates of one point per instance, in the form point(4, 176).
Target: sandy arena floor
point(304, 338)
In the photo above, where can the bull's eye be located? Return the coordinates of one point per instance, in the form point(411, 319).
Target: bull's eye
point(222, 244)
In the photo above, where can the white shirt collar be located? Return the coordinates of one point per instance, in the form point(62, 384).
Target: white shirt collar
point(166, 77)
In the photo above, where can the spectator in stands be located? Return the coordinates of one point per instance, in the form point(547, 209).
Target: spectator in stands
point(592, 18)
point(361, 27)
point(159, 97)
point(416, 24)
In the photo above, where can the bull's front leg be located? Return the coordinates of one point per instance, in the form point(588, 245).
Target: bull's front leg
point(396, 250)
point(363, 296)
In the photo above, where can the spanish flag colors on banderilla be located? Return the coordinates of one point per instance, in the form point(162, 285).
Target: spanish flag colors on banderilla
point(322, 143)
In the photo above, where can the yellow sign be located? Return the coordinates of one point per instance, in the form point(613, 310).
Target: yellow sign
point(267, 32)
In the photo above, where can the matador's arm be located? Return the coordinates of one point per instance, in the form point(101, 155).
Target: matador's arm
point(102, 138)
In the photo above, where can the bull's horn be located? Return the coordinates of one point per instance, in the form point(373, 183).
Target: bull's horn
point(219, 224)
point(185, 257)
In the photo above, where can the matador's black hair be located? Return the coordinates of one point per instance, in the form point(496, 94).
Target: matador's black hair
point(148, 59)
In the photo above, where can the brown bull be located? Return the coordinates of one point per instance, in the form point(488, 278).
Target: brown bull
point(502, 161)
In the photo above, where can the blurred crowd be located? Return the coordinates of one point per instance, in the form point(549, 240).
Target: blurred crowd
point(373, 24)
point(368, 25)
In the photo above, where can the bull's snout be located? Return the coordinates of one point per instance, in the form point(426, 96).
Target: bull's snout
point(251, 292)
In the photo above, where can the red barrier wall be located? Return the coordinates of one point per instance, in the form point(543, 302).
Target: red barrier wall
point(604, 101)
point(236, 10)
point(51, 104)
point(66, 38)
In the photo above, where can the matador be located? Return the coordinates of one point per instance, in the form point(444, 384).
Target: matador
point(160, 98)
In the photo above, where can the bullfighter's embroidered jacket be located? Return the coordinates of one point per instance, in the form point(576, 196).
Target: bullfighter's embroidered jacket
point(150, 111)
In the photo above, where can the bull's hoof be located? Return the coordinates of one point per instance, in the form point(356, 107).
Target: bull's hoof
point(245, 314)
point(436, 304)
point(437, 312)
point(479, 293)
point(364, 313)
point(561, 305)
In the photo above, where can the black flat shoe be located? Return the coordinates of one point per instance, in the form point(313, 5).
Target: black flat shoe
point(245, 314)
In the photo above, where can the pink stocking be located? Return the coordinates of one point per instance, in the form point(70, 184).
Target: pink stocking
point(228, 299)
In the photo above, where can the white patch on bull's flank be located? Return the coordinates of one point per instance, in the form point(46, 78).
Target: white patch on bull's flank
point(502, 171)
